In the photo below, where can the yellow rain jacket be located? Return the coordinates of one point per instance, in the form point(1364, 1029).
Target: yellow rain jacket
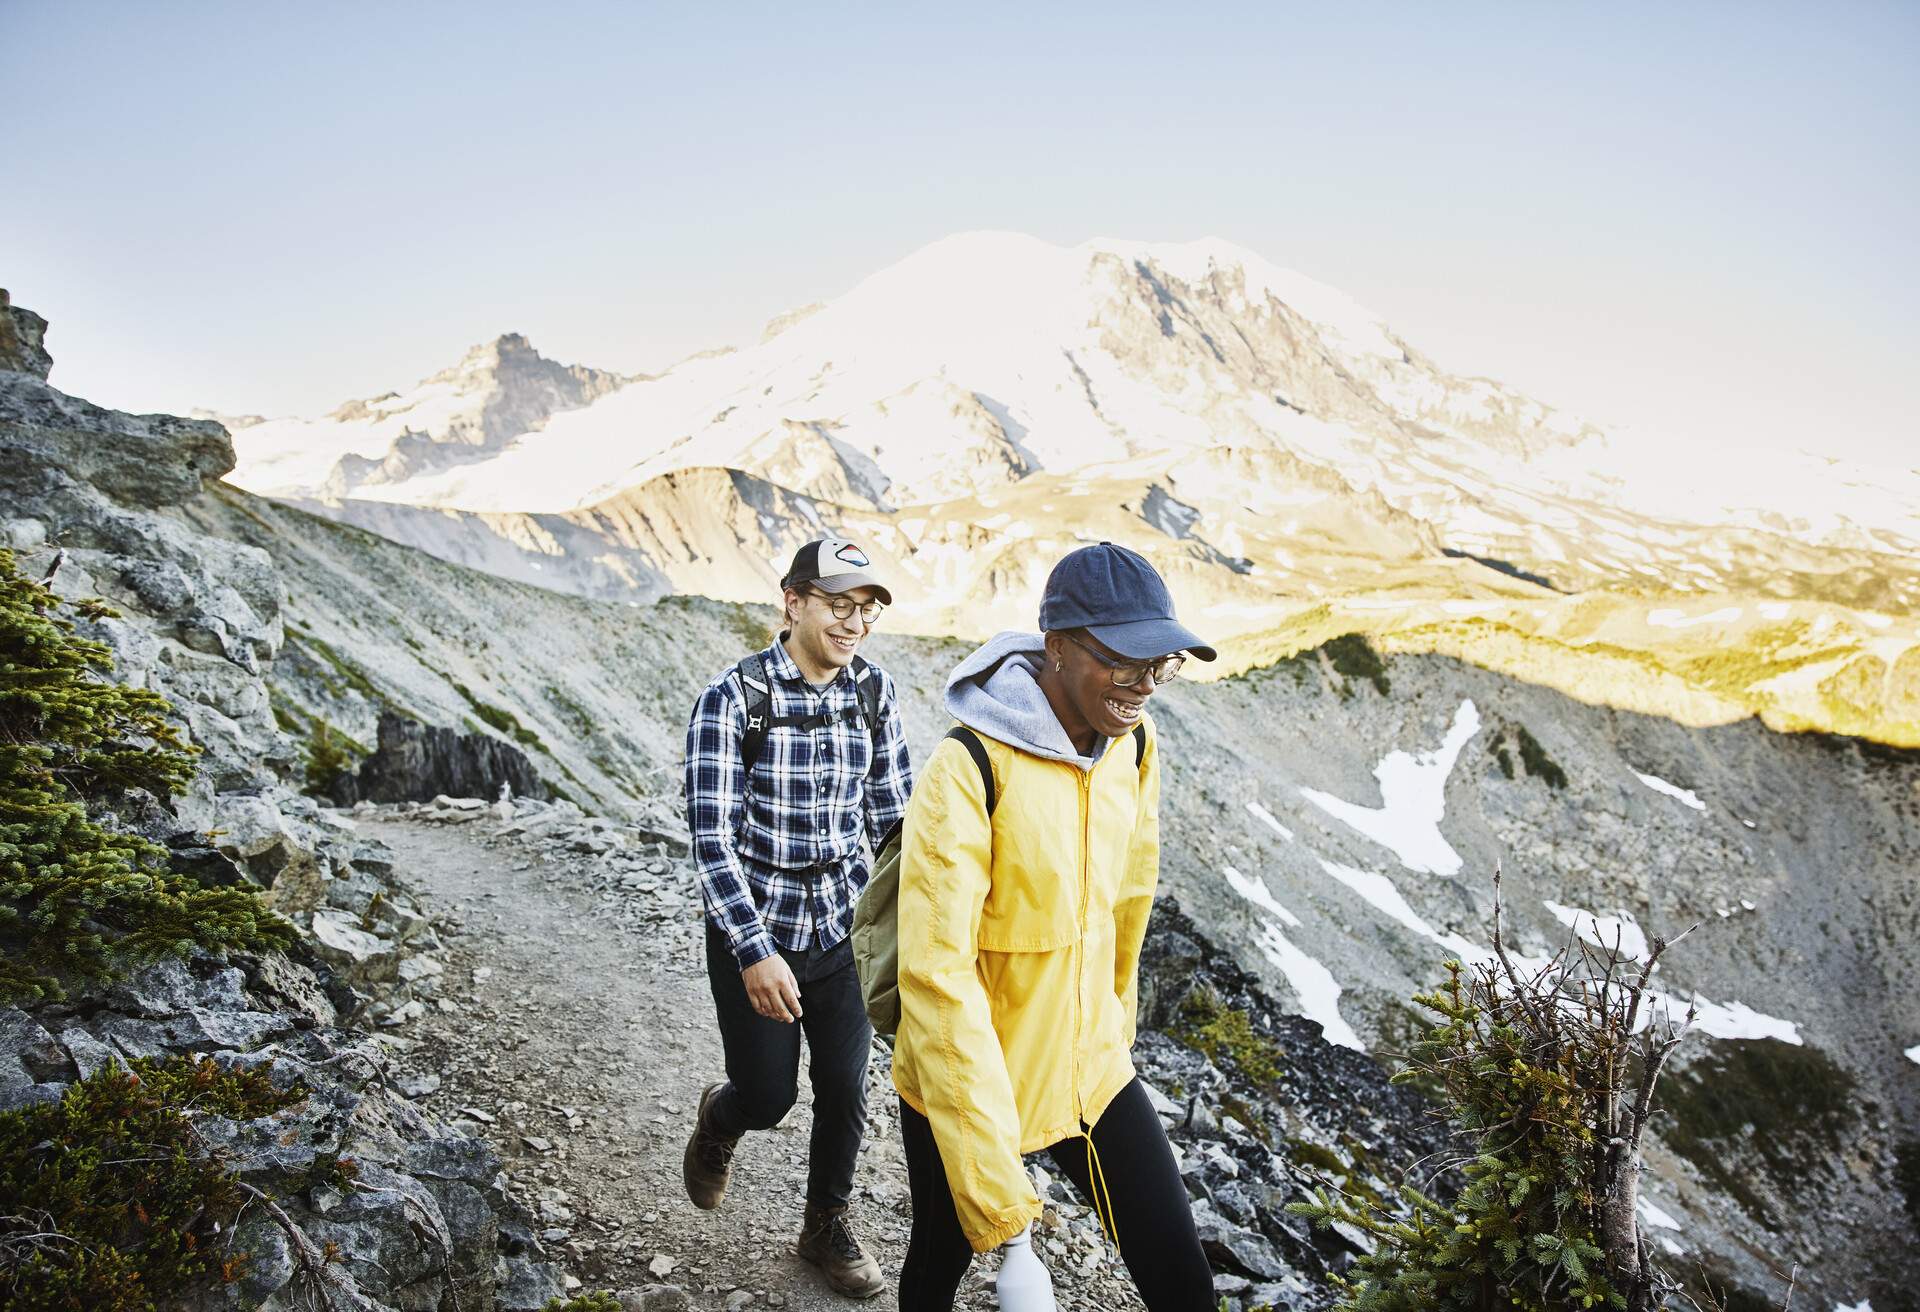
point(1019, 953)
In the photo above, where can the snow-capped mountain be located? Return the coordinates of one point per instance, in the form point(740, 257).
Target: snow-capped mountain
point(993, 400)
point(500, 393)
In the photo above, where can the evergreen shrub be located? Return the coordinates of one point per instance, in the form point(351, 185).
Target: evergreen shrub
point(79, 900)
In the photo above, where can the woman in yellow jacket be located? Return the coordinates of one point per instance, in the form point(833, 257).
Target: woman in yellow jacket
point(1020, 935)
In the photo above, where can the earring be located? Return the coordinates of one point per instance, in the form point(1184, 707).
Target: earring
point(1058, 666)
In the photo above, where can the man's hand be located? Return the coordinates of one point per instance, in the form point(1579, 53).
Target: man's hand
point(772, 989)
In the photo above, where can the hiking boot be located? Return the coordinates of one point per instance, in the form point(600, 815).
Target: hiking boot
point(827, 1241)
point(709, 1158)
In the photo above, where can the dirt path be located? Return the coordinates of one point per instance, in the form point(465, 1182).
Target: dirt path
point(574, 1026)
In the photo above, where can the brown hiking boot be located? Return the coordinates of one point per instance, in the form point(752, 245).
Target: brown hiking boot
point(827, 1241)
point(709, 1158)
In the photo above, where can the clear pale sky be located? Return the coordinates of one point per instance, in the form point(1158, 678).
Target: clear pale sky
point(1693, 218)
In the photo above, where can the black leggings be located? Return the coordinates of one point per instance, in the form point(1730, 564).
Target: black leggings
point(1150, 1210)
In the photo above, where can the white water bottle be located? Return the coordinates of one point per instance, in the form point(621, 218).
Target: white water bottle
point(1024, 1285)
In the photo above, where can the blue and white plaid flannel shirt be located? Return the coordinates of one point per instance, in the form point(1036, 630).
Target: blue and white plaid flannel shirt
point(758, 841)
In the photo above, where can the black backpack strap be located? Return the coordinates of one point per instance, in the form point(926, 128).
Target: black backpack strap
point(759, 690)
point(760, 718)
point(1139, 744)
point(970, 740)
point(869, 685)
point(867, 679)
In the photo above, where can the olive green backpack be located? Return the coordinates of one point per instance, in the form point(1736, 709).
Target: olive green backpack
point(876, 916)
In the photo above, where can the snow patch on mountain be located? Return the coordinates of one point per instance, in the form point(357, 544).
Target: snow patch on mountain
point(1412, 801)
point(1619, 931)
point(1313, 984)
point(1685, 796)
point(1254, 890)
point(1380, 893)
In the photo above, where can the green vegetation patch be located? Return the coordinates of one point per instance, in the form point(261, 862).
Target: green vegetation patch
point(79, 900)
point(600, 1302)
point(330, 754)
point(1906, 1174)
point(285, 714)
point(1538, 763)
point(755, 626)
point(1241, 1111)
point(108, 1199)
point(1352, 1174)
point(1349, 655)
point(503, 720)
point(346, 675)
point(1228, 1038)
point(577, 718)
point(1353, 657)
point(1533, 757)
point(1788, 1105)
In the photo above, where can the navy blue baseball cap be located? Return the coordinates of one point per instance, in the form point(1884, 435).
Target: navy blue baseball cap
point(1115, 595)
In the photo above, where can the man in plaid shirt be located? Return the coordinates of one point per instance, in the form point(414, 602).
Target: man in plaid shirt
point(778, 847)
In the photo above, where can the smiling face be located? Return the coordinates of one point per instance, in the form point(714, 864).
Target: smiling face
point(821, 645)
point(1082, 690)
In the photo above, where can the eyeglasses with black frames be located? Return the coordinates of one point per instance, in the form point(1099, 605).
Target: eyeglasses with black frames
point(1126, 674)
point(842, 607)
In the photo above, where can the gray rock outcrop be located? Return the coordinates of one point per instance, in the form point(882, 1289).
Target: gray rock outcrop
point(91, 497)
point(22, 340)
point(417, 762)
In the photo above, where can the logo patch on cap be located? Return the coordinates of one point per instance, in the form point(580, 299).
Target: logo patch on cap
point(852, 555)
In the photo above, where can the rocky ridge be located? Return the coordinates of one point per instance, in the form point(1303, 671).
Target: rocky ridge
point(426, 1222)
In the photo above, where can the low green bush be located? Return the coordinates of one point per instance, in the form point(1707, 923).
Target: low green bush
point(108, 1201)
point(79, 900)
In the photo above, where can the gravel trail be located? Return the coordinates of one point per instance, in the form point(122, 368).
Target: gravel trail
point(573, 1025)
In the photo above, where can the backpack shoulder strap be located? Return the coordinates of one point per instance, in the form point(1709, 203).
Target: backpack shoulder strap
point(759, 689)
point(970, 740)
point(868, 680)
point(1139, 744)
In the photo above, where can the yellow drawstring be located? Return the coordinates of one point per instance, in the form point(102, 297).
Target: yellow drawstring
point(1098, 1179)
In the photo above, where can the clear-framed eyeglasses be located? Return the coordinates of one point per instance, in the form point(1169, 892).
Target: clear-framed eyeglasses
point(1126, 674)
point(842, 607)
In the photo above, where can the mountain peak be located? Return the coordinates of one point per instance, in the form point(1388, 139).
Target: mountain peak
point(505, 347)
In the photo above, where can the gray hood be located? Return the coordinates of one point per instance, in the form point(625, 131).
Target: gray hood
point(994, 692)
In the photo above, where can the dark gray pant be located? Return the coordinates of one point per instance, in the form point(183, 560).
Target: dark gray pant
point(763, 1059)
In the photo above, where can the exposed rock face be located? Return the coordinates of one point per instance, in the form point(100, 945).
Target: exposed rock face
point(91, 496)
point(22, 340)
point(151, 461)
point(415, 762)
point(1250, 1147)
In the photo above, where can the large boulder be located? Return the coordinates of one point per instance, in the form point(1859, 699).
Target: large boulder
point(416, 762)
point(138, 460)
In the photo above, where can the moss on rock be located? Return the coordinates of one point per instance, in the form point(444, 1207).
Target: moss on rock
point(107, 1196)
point(1228, 1038)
